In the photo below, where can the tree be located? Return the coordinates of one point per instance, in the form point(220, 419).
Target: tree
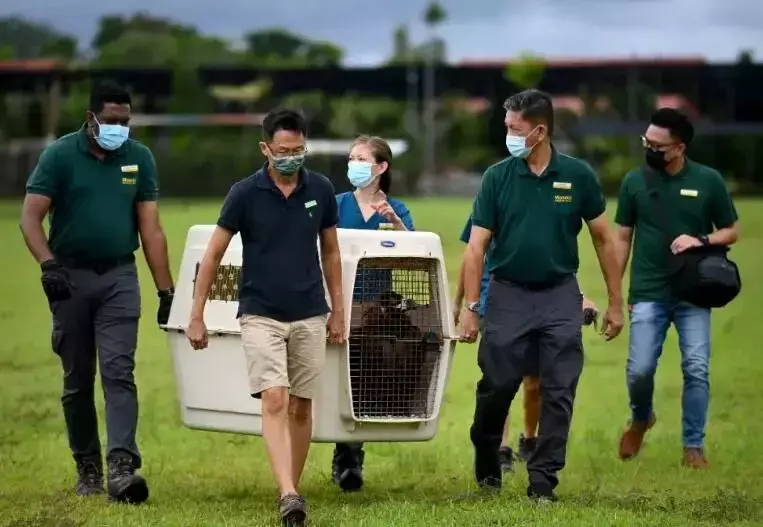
point(434, 14)
point(278, 47)
point(112, 28)
point(22, 39)
point(401, 46)
point(526, 72)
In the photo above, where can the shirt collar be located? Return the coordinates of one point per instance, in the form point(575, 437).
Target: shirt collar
point(552, 168)
point(264, 181)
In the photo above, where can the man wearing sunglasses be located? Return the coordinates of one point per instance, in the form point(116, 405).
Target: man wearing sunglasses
point(667, 207)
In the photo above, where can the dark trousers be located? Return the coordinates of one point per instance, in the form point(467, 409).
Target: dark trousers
point(519, 323)
point(99, 323)
point(348, 448)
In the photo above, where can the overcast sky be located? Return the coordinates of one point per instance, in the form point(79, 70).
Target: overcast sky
point(475, 29)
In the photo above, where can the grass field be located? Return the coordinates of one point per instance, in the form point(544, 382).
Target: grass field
point(200, 478)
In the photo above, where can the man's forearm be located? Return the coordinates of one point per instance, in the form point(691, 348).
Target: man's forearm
point(332, 269)
point(459, 298)
point(727, 236)
point(473, 262)
point(623, 252)
point(34, 237)
point(203, 285)
point(155, 250)
point(609, 261)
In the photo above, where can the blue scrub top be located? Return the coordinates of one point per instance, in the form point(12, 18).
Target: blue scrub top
point(369, 283)
point(485, 274)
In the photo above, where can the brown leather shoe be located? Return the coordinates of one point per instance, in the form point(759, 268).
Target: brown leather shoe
point(633, 437)
point(695, 458)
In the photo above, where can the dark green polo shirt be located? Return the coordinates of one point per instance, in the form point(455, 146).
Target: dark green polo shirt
point(695, 202)
point(92, 213)
point(535, 220)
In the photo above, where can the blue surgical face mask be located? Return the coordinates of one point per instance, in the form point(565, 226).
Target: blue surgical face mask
point(111, 136)
point(517, 145)
point(359, 173)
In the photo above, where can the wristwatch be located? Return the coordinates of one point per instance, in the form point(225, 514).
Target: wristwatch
point(704, 239)
point(166, 292)
point(474, 307)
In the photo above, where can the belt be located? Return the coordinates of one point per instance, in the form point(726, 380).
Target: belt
point(538, 286)
point(98, 265)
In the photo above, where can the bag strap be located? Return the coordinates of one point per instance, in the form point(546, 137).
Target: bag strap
point(658, 208)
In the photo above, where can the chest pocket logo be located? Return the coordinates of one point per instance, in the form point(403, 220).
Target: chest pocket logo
point(689, 193)
point(562, 197)
point(310, 205)
point(130, 179)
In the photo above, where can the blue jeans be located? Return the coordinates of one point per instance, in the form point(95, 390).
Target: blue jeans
point(649, 323)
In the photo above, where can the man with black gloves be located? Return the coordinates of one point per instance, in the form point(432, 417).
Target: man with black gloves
point(101, 191)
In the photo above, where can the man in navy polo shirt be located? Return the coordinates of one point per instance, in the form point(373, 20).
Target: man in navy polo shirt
point(281, 211)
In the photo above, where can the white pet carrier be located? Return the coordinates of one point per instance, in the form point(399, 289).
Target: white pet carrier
point(385, 384)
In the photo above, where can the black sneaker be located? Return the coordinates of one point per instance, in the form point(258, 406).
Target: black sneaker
point(541, 493)
point(506, 457)
point(293, 510)
point(526, 447)
point(487, 468)
point(89, 476)
point(124, 484)
point(347, 467)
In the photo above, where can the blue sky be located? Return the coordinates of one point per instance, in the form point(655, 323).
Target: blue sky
point(476, 29)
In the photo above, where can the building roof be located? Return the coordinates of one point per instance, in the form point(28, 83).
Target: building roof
point(592, 62)
point(30, 65)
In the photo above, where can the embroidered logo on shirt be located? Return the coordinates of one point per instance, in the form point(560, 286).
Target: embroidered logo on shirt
point(309, 205)
point(689, 192)
point(129, 180)
point(130, 168)
point(563, 185)
point(562, 198)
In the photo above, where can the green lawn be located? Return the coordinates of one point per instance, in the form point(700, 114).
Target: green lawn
point(200, 478)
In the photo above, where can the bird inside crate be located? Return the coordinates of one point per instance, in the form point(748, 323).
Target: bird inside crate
point(395, 347)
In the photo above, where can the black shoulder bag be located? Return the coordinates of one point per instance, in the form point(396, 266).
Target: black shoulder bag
point(703, 276)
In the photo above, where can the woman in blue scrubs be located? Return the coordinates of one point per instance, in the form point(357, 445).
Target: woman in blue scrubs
point(367, 207)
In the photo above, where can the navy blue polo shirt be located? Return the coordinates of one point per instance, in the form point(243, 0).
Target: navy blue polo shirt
point(281, 274)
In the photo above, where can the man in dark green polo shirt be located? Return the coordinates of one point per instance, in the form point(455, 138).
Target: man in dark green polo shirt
point(100, 190)
point(532, 206)
point(696, 209)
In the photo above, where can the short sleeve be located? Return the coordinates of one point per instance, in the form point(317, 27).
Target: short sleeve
point(44, 179)
point(148, 178)
point(626, 208)
point(485, 210)
point(233, 211)
point(331, 212)
point(404, 214)
point(722, 209)
point(467, 232)
point(593, 203)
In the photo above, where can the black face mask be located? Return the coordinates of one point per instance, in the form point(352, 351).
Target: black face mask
point(655, 159)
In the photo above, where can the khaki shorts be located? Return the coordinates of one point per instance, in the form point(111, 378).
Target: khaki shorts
point(284, 354)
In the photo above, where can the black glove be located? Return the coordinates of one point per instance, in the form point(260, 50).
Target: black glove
point(590, 316)
point(56, 281)
point(165, 304)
